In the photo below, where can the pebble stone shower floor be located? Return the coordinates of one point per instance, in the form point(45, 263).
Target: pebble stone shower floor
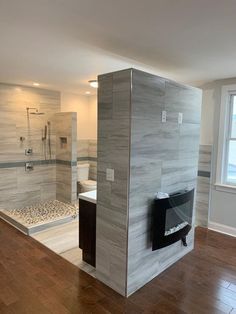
point(41, 213)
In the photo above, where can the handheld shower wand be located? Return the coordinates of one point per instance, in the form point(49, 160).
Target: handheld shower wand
point(49, 140)
point(44, 138)
point(45, 132)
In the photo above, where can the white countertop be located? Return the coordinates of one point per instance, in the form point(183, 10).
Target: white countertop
point(90, 196)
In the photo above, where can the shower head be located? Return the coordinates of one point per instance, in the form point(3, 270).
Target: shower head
point(35, 112)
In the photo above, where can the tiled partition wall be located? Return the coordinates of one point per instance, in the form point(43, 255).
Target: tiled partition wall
point(147, 156)
point(87, 153)
point(112, 197)
point(19, 188)
point(163, 157)
point(66, 156)
point(203, 185)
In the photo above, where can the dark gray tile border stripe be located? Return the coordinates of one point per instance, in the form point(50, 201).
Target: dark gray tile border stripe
point(16, 164)
point(66, 162)
point(87, 158)
point(205, 174)
point(12, 164)
point(44, 162)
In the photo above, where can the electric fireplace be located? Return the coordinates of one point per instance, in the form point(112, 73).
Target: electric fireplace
point(172, 219)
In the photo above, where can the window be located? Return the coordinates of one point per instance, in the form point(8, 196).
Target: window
point(226, 160)
point(230, 143)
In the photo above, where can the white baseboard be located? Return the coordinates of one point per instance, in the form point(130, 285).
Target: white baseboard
point(222, 228)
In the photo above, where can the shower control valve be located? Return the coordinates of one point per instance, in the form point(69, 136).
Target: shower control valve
point(29, 166)
point(28, 151)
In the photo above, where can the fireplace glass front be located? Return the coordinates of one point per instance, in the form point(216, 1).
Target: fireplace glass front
point(172, 219)
point(177, 217)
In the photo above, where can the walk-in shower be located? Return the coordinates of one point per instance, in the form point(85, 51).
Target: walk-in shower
point(41, 196)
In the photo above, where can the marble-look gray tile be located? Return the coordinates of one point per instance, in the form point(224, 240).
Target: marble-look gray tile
point(202, 201)
point(121, 81)
point(151, 137)
point(93, 170)
point(113, 152)
point(66, 175)
point(48, 192)
point(63, 183)
point(203, 185)
point(92, 148)
point(182, 99)
point(147, 156)
point(159, 261)
point(143, 186)
point(148, 90)
point(205, 155)
point(105, 97)
point(113, 140)
point(17, 185)
point(121, 104)
point(82, 148)
point(189, 141)
point(175, 149)
point(27, 198)
point(8, 178)
point(111, 255)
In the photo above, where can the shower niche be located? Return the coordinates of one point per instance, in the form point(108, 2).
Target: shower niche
point(63, 141)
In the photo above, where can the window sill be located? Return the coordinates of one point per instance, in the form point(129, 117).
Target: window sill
point(225, 188)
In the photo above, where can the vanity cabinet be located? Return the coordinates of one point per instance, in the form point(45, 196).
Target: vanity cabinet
point(87, 231)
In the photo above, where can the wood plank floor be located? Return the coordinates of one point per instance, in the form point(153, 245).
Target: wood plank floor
point(35, 280)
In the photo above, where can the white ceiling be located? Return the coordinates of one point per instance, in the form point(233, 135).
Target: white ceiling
point(64, 43)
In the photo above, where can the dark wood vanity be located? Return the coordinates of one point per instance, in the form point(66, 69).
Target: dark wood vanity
point(87, 229)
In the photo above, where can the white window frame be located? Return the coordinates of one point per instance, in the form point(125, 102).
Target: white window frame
point(224, 136)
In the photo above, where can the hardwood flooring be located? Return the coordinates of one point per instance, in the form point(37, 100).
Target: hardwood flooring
point(33, 280)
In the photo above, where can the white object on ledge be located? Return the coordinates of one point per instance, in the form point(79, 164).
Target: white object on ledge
point(176, 228)
point(90, 196)
point(160, 195)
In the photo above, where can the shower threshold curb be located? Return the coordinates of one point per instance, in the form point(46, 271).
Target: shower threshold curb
point(29, 230)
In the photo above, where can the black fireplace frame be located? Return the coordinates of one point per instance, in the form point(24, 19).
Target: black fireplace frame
point(160, 206)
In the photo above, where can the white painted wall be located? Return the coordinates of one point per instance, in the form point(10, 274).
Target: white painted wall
point(93, 117)
point(86, 108)
point(222, 216)
point(223, 212)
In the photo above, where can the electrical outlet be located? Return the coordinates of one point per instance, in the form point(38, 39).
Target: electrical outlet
point(180, 118)
point(163, 116)
point(110, 174)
